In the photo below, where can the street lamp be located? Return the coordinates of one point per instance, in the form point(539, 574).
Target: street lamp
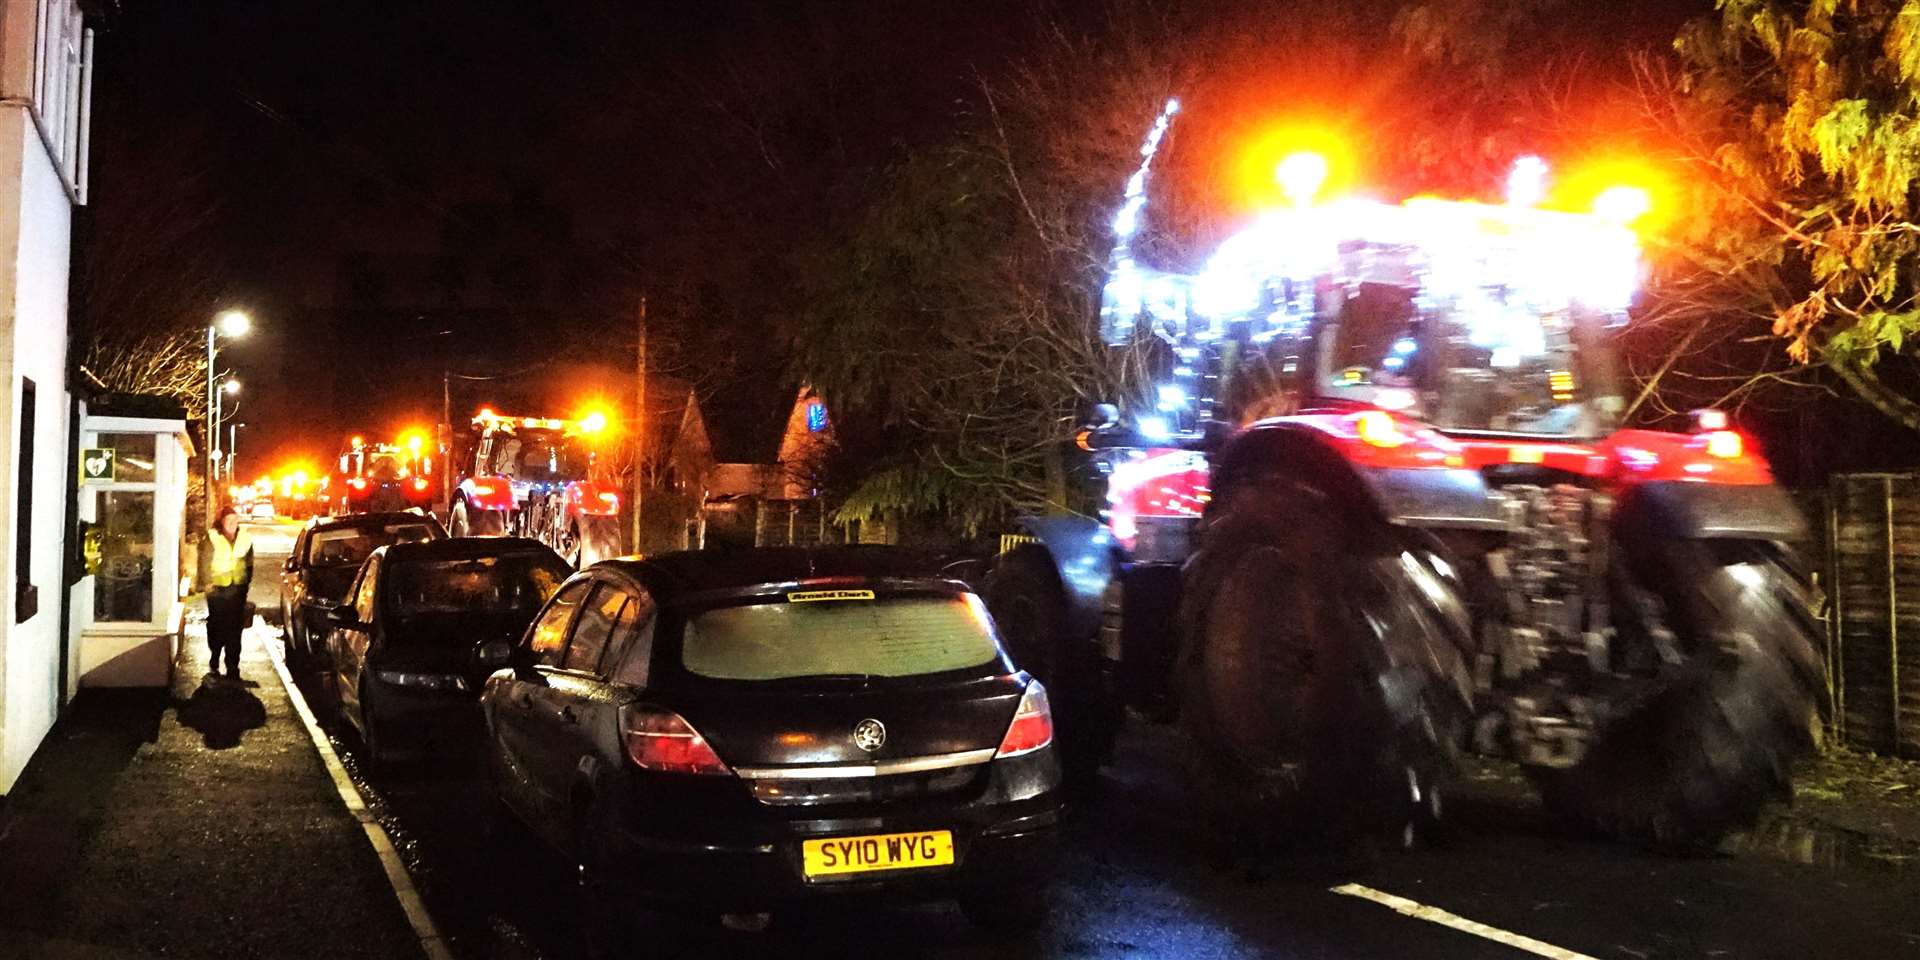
point(231, 324)
point(229, 387)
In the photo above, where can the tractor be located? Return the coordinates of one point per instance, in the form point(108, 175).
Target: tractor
point(1383, 511)
point(539, 477)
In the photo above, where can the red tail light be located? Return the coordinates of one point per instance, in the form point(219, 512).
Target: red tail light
point(1032, 726)
point(660, 741)
point(357, 482)
point(420, 483)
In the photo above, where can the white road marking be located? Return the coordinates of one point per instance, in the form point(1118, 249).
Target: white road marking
point(431, 942)
point(1421, 911)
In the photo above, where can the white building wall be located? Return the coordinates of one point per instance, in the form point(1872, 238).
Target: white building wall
point(35, 232)
point(42, 44)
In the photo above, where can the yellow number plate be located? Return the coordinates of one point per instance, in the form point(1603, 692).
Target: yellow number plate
point(892, 851)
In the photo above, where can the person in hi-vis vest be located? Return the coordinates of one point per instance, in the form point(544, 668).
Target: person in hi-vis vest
point(226, 569)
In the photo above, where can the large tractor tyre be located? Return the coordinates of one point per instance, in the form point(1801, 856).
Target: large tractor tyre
point(1030, 608)
point(470, 521)
point(589, 540)
point(1325, 699)
point(1703, 756)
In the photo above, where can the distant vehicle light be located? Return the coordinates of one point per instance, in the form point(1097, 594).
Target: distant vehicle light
point(1622, 204)
point(1395, 399)
point(1377, 428)
point(1709, 419)
point(1527, 184)
point(1301, 174)
point(420, 483)
point(593, 422)
point(1726, 444)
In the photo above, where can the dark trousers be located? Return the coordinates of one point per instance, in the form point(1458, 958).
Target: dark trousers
point(226, 618)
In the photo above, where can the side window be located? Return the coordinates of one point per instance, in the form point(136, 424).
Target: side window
point(363, 592)
point(300, 546)
point(595, 625)
point(633, 642)
point(548, 639)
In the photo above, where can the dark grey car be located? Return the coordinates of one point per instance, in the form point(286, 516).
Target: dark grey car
point(326, 557)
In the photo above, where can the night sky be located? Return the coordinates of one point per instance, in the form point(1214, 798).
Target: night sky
point(400, 189)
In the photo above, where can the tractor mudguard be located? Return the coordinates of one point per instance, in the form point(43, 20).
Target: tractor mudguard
point(1451, 497)
point(1709, 511)
point(1456, 497)
point(1082, 554)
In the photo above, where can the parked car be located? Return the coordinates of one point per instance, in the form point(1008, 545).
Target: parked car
point(261, 510)
point(738, 731)
point(403, 654)
point(320, 571)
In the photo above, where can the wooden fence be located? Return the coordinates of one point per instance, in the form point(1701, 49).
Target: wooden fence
point(1872, 578)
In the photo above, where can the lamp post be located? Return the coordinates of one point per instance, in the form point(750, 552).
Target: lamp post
point(229, 387)
point(230, 324)
point(233, 449)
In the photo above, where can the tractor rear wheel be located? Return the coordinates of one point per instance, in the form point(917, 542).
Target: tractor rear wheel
point(1323, 696)
point(470, 521)
point(1705, 754)
point(1030, 608)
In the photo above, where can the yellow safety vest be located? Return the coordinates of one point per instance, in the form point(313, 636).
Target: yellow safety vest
point(225, 560)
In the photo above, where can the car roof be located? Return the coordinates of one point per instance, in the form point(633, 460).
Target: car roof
point(685, 573)
point(466, 548)
point(369, 520)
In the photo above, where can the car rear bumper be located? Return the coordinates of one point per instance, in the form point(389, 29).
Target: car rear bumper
point(759, 876)
point(413, 720)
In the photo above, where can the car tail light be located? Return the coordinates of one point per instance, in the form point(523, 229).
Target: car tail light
point(1725, 444)
point(420, 483)
point(1032, 726)
point(660, 741)
point(357, 482)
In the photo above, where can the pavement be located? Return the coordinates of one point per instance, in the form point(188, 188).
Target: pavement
point(197, 821)
point(203, 822)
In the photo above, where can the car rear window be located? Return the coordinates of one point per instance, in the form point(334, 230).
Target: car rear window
point(352, 545)
point(516, 583)
point(784, 639)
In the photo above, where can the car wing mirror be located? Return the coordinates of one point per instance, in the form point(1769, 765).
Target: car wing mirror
point(292, 565)
point(494, 654)
point(341, 615)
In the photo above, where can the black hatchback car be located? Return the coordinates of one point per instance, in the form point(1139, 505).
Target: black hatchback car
point(742, 730)
point(404, 658)
point(326, 557)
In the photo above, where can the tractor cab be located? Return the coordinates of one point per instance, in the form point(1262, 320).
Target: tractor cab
point(1469, 318)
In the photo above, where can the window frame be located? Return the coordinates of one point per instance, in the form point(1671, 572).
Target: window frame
point(26, 596)
point(368, 582)
point(566, 635)
point(634, 650)
point(573, 629)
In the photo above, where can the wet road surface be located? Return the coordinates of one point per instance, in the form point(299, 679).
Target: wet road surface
point(1135, 881)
